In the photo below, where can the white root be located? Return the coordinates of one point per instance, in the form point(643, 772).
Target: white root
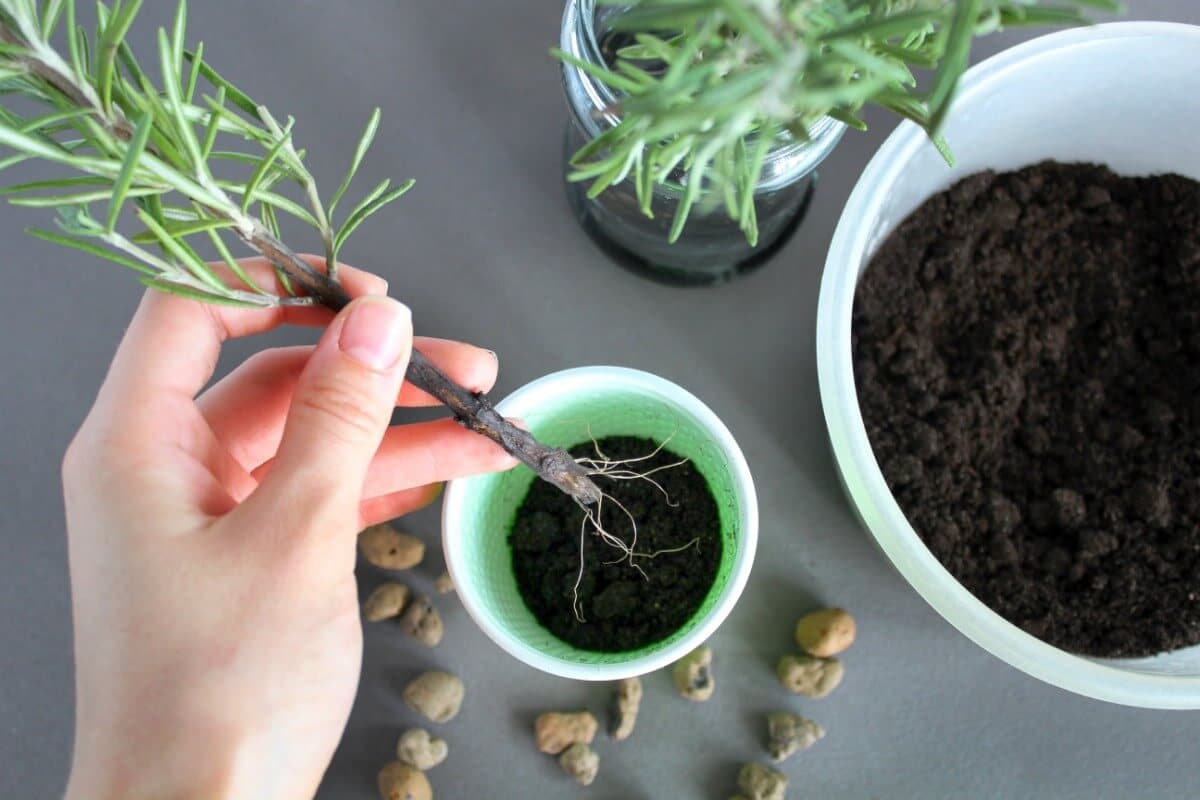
point(617, 470)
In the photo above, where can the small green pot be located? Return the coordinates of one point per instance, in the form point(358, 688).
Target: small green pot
point(564, 409)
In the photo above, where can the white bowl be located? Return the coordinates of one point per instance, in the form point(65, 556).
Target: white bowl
point(1122, 94)
point(564, 409)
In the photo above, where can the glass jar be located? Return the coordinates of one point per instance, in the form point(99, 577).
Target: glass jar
point(712, 248)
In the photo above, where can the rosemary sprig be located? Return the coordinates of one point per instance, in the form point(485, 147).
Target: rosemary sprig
point(707, 85)
point(133, 150)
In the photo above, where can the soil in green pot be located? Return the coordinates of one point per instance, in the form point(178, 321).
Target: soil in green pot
point(1027, 356)
point(613, 606)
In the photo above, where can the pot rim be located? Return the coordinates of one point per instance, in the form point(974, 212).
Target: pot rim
point(1113, 680)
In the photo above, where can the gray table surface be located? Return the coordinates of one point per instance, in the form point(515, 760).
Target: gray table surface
point(485, 250)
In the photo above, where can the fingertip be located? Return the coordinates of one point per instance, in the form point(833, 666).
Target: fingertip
point(376, 332)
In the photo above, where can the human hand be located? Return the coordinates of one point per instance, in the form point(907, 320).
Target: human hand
point(212, 539)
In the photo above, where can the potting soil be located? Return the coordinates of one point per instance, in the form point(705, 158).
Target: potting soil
point(622, 607)
point(1027, 355)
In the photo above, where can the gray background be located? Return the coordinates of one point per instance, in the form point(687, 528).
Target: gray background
point(484, 250)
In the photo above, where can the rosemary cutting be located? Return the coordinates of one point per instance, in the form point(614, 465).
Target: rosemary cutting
point(704, 88)
point(133, 149)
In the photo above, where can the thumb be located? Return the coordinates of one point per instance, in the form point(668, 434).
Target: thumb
point(340, 410)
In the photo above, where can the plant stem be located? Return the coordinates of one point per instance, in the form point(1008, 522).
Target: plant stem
point(473, 410)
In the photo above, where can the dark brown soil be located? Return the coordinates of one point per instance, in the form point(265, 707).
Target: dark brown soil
point(622, 608)
point(1027, 353)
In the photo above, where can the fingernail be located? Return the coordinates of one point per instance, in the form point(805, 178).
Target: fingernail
point(495, 357)
point(377, 333)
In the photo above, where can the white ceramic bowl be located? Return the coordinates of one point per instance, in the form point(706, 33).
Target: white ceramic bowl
point(563, 409)
point(1123, 94)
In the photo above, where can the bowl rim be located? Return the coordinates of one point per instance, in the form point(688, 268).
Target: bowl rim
point(860, 473)
point(650, 385)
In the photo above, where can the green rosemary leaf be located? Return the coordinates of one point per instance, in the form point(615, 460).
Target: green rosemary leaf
point(108, 44)
point(133, 152)
point(78, 57)
point(364, 144)
point(750, 24)
point(762, 144)
point(182, 183)
point(631, 70)
point(365, 210)
point(371, 196)
point(267, 163)
point(246, 158)
point(671, 155)
point(697, 173)
point(40, 124)
point(598, 72)
point(649, 47)
point(194, 73)
point(288, 206)
point(639, 184)
point(130, 62)
point(908, 107)
point(954, 63)
point(909, 55)
point(192, 293)
point(848, 117)
point(84, 48)
point(178, 34)
point(600, 143)
point(681, 215)
point(673, 15)
point(242, 127)
point(867, 60)
point(12, 161)
point(182, 229)
point(646, 188)
point(943, 147)
point(214, 124)
point(58, 183)
point(1040, 15)
point(38, 148)
point(682, 64)
point(285, 282)
point(51, 14)
point(90, 248)
point(269, 219)
point(177, 213)
point(733, 179)
point(76, 198)
point(885, 27)
point(236, 95)
point(235, 267)
point(181, 252)
point(616, 171)
point(171, 79)
point(288, 154)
